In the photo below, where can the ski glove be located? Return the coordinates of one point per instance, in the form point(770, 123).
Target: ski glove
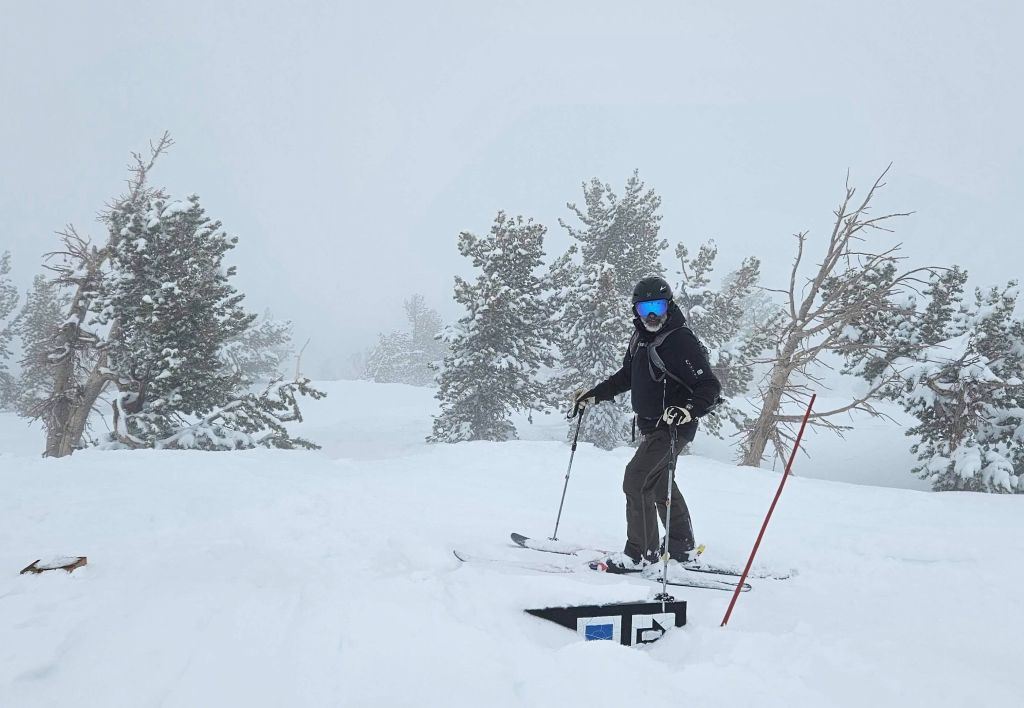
point(581, 399)
point(676, 415)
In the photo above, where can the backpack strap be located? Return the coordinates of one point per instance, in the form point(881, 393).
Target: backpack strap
point(662, 336)
point(655, 359)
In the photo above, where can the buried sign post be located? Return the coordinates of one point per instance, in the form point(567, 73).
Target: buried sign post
point(628, 623)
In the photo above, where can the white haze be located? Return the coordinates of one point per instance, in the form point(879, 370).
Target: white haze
point(347, 144)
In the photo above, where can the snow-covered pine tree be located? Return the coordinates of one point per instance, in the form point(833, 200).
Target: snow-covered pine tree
point(966, 388)
point(499, 345)
point(385, 362)
point(37, 326)
point(596, 328)
point(149, 313)
point(427, 350)
point(411, 357)
point(8, 302)
point(565, 277)
point(173, 311)
point(718, 318)
point(260, 352)
point(621, 232)
point(617, 245)
point(757, 324)
point(757, 307)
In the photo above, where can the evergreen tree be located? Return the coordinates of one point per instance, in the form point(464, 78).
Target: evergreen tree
point(880, 343)
point(597, 329)
point(409, 357)
point(260, 352)
point(944, 300)
point(719, 318)
point(176, 315)
point(150, 313)
point(498, 347)
point(37, 326)
point(966, 387)
point(386, 362)
point(756, 308)
point(621, 232)
point(427, 350)
point(757, 323)
point(617, 245)
point(175, 310)
point(8, 302)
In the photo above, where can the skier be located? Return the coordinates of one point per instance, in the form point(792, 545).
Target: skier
point(667, 373)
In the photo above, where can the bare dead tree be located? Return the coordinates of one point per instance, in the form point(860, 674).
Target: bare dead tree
point(841, 308)
point(78, 358)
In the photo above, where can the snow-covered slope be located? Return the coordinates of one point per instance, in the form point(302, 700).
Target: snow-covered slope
point(271, 578)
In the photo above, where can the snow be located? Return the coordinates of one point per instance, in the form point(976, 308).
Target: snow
point(175, 207)
point(967, 460)
point(271, 578)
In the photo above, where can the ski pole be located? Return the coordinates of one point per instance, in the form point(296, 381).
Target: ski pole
point(767, 518)
point(664, 596)
point(579, 423)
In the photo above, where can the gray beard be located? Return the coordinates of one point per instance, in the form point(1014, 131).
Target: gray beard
point(656, 326)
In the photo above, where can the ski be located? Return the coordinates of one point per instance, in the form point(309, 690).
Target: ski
point(677, 575)
point(678, 579)
point(525, 565)
point(698, 566)
point(561, 547)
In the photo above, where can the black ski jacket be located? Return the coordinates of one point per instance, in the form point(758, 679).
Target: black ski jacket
point(684, 356)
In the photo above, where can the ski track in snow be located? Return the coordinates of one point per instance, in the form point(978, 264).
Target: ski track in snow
point(272, 578)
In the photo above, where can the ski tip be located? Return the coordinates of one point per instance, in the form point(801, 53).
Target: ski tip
point(456, 554)
point(519, 539)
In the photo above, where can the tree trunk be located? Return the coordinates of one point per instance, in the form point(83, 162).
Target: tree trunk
point(761, 433)
point(762, 430)
point(70, 416)
point(62, 395)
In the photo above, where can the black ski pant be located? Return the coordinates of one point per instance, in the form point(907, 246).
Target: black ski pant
point(646, 485)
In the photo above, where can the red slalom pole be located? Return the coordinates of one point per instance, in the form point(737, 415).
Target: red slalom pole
point(782, 483)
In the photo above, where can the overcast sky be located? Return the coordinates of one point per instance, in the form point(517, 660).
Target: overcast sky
point(347, 144)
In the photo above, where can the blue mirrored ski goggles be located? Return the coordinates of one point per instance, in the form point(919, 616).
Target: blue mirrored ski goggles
point(652, 307)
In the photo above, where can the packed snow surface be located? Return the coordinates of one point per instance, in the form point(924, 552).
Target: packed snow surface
point(272, 578)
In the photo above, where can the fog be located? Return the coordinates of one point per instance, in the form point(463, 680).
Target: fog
point(347, 144)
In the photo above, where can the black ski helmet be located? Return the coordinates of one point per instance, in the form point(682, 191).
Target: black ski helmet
point(651, 288)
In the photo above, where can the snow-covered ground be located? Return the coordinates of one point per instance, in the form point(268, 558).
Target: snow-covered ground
point(270, 578)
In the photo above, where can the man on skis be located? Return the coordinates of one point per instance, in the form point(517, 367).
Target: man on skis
point(671, 385)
